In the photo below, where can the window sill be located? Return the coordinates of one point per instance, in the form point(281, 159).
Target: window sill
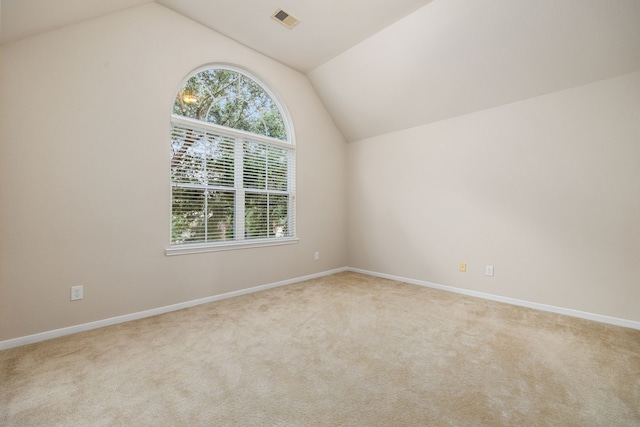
point(228, 246)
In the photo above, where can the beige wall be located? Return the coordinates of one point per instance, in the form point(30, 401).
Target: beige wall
point(546, 190)
point(84, 173)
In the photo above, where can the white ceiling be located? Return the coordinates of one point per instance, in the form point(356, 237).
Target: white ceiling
point(24, 18)
point(385, 65)
point(327, 27)
point(454, 57)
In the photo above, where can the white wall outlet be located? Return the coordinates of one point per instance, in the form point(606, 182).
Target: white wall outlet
point(316, 256)
point(77, 292)
point(488, 270)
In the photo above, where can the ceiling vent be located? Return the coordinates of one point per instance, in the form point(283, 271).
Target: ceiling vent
point(285, 18)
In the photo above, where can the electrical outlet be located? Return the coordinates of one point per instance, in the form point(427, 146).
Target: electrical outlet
point(316, 256)
point(488, 270)
point(77, 292)
point(463, 267)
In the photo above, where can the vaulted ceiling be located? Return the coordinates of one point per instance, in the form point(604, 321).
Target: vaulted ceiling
point(385, 65)
point(454, 57)
point(327, 28)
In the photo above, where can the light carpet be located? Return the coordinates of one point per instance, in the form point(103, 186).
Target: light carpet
point(342, 350)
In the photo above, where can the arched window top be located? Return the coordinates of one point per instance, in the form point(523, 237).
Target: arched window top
point(229, 98)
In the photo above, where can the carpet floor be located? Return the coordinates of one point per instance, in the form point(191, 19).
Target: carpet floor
point(342, 350)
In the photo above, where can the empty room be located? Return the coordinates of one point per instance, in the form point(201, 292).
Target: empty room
point(328, 213)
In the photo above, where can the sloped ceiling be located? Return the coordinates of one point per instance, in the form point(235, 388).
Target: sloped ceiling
point(453, 57)
point(327, 27)
point(385, 65)
point(24, 18)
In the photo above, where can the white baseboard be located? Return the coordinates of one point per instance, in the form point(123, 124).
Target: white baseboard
point(550, 308)
point(30, 339)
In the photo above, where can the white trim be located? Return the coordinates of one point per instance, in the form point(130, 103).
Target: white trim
point(43, 336)
point(228, 245)
point(537, 306)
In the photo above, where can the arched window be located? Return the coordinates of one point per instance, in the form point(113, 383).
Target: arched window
point(232, 164)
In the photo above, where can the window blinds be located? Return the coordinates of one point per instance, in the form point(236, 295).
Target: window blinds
point(229, 185)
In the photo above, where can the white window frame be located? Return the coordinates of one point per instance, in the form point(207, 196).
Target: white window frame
point(240, 137)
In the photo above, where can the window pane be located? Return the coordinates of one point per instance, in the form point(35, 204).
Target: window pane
point(187, 164)
point(255, 165)
point(266, 215)
point(278, 215)
point(219, 153)
point(231, 99)
point(255, 216)
point(200, 157)
point(220, 213)
point(187, 220)
point(277, 168)
point(190, 207)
